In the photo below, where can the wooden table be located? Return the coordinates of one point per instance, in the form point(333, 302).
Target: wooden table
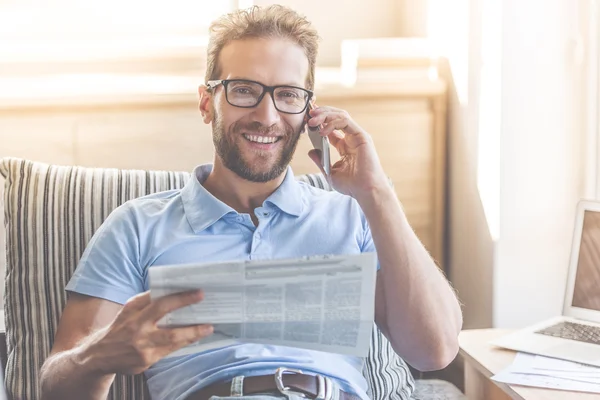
point(483, 360)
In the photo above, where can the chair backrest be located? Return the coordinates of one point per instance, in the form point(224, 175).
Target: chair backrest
point(51, 212)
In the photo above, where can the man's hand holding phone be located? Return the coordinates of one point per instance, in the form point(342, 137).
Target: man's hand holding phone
point(358, 172)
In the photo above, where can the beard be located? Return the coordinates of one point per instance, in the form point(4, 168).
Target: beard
point(233, 159)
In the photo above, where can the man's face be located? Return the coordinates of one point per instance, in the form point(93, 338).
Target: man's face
point(258, 143)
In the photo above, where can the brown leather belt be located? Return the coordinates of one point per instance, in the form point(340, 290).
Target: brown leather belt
point(308, 385)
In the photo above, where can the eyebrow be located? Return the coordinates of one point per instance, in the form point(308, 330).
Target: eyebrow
point(301, 85)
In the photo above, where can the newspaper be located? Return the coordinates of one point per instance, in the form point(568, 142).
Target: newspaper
point(321, 303)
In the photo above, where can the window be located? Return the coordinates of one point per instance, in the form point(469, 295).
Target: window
point(51, 49)
point(72, 30)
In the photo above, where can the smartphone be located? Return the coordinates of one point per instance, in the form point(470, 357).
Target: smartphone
point(319, 142)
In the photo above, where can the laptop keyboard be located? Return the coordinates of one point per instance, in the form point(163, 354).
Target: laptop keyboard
point(573, 331)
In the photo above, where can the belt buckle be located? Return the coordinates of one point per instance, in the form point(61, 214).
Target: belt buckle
point(324, 385)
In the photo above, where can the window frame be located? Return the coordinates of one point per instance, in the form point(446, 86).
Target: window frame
point(168, 71)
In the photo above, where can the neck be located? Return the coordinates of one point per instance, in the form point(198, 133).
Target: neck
point(241, 195)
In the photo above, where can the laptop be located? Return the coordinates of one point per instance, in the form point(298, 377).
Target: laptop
point(574, 336)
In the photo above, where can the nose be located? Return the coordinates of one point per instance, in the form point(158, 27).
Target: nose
point(265, 111)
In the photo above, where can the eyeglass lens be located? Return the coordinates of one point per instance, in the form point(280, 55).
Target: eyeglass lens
point(286, 98)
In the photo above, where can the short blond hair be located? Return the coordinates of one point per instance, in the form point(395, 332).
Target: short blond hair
point(274, 21)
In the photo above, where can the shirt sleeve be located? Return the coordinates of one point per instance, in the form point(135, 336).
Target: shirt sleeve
point(109, 267)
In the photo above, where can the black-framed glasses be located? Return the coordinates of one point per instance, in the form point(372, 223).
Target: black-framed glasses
point(245, 93)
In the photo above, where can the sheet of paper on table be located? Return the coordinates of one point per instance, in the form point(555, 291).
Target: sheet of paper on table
point(539, 371)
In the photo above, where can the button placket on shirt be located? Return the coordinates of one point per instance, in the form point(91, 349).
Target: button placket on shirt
point(263, 215)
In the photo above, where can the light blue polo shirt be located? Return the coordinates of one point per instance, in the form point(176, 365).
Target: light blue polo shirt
point(191, 225)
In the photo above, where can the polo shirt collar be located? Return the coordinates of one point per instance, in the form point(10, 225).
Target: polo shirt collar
point(202, 209)
point(288, 196)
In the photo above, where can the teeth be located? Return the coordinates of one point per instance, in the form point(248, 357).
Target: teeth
point(261, 139)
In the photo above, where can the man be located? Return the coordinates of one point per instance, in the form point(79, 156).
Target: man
point(248, 205)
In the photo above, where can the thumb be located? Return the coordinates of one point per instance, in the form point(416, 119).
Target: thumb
point(137, 302)
point(315, 155)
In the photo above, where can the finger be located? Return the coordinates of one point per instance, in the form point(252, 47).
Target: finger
point(323, 117)
point(176, 338)
point(331, 126)
point(164, 305)
point(338, 166)
point(348, 126)
point(336, 120)
point(336, 139)
point(315, 155)
point(319, 110)
point(137, 303)
point(315, 110)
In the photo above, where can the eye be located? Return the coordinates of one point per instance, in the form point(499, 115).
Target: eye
point(242, 90)
point(290, 94)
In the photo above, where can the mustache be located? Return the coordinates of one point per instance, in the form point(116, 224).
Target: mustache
point(260, 129)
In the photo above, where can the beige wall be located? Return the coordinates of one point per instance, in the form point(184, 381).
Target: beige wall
point(471, 249)
point(542, 172)
point(340, 19)
point(413, 16)
point(518, 277)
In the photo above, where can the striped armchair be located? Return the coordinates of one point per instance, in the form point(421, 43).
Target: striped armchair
point(51, 213)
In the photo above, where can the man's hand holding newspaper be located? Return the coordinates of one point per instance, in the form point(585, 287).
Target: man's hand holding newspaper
point(322, 303)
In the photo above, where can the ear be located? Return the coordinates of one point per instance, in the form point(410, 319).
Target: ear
point(306, 114)
point(205, 104)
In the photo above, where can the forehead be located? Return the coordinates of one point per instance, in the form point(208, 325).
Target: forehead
point(270, 61)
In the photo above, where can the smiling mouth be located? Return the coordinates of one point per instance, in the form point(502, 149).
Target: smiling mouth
point(262, 139)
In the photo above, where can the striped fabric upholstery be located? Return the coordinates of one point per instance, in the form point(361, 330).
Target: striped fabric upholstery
point(51, 212)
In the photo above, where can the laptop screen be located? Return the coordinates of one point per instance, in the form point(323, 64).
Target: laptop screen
point(586, 293)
